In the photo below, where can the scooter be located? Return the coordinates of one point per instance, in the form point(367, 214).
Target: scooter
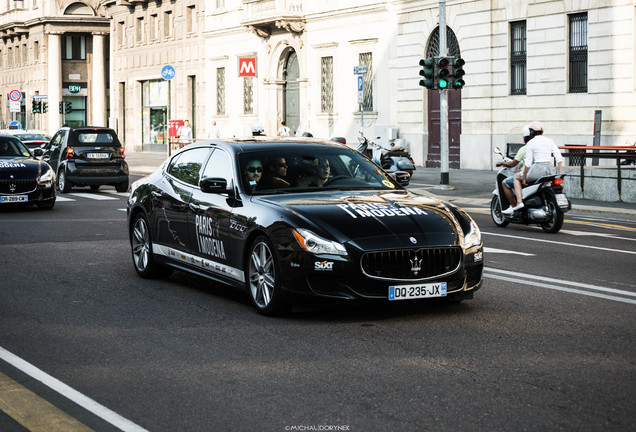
point(391, 160)
point(545, 202)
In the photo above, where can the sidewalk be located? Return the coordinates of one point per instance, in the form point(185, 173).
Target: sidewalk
point(466, 187)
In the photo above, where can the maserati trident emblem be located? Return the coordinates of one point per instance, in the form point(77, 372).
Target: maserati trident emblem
point(12, 187)
point(416, 265)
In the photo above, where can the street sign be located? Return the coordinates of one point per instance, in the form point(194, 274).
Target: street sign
point(14, 106)
point(360, 89)
point(360, 69)
point(40, 96)
point(15, 95)
point(14, 125)
point(247, 66)
point(168, 72)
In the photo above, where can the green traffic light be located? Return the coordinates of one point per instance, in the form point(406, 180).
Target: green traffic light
point(442, 84)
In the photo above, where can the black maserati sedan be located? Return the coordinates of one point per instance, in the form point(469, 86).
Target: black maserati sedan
point(24, 180)
point(287, 218)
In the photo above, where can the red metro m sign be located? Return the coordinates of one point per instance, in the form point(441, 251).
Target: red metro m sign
point(247, 66)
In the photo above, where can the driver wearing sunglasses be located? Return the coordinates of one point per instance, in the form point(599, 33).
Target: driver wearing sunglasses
point(253, 173)
point(275, 174)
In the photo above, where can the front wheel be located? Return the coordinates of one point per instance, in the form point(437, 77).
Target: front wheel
point(556, 216)
point(62, 182)
point(496, 213)
point(263, 278)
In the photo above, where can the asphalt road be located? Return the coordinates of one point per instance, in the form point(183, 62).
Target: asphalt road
point(548, 343)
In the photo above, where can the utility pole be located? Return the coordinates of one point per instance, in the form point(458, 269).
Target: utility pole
point(443, 105)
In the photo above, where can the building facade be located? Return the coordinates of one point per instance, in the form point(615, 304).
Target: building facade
point(247, 62)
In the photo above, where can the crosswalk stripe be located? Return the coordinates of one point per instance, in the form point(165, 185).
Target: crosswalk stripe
point(93, 196)
point(63, 199)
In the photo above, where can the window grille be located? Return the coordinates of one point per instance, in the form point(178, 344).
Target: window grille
point(248, 95)
point(578, 53)
point(518, 62)
point(220, 91)
point(366, 59)
point(326, 84)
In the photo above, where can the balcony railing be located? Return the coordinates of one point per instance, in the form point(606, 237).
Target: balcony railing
point(265, 13)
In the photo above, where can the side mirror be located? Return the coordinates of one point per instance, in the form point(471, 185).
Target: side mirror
point(402, 177)
point(37, 152)
point(213, 185)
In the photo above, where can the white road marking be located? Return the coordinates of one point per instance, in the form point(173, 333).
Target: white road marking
point(504, 251)
point(70, 393)
point(63, 199)
point(519, 238)
point(93, 196)
point(516, 278)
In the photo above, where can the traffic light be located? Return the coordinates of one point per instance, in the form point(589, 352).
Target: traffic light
point(428, 72)
point(61, 107)
point(36, 106)
point(442, 73)
point(45, 107)
point(68, 106)
point(458, 73)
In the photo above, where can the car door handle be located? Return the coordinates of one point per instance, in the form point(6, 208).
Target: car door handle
point(196, 208)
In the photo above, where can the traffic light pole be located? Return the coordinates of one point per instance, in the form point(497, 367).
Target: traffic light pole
point(443, 105)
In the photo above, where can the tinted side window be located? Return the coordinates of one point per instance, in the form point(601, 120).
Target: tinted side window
point(219, 165)
point(187, 166)
point(56, 141)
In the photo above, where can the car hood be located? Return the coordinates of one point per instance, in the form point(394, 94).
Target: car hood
point(19, 168)
point(373, 220)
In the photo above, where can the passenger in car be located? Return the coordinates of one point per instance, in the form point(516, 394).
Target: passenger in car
point(275, 174)
point(253, 173)
point(317, 175)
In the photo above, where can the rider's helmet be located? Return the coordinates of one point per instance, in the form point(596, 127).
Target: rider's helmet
point(536, 126)
point(526, 132)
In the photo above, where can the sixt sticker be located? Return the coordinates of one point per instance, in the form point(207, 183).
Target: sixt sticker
point(323, 265)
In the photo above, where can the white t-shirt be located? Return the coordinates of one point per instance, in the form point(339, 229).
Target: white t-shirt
point(185, 132)
point(541, 149)
point(283, 131)
point(214, 132)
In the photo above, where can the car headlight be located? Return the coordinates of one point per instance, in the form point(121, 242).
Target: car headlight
point(316, 244)
point(473, 237)
point(45, 178)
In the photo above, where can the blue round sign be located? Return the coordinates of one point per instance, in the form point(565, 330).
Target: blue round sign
point(167, 72)
point(15, 125)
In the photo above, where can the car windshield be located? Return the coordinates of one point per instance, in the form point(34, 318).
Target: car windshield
point(91, 138)
point(33, 137)
point(12, 147)
point(310, 168)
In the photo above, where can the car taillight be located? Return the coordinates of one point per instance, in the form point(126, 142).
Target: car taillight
point(70, 153)
point(121, 152)
point(558, 182)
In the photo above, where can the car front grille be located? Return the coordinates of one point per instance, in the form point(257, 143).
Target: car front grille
point(411, 264)
point(17, 186)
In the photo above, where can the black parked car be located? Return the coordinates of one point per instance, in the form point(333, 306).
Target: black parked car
point(87, 156)
point(23, 179)
point(299, 216)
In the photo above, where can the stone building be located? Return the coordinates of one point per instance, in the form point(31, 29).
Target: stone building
point(556, 61)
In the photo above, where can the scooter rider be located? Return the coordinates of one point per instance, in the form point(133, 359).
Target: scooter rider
point(538, 162)
point(509, 183)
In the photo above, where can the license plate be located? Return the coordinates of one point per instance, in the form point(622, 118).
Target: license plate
point(14, 199)
point(562, 200)
point(97, 155)
point(407, 292)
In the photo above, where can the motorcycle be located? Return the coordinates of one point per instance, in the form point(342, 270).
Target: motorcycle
point(391, 160)
point(545, 202)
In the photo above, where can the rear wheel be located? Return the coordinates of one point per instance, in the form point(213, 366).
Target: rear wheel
point(263, 278)
point(122, 187)
point(556, 221)
point(62, 182)
point(141, 244)
point(496, 213)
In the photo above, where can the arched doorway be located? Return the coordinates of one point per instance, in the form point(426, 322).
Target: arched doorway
point(454, 107)
point(291, 74)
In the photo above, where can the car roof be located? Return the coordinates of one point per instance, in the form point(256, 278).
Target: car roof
point(267, 143)
point(24, 131)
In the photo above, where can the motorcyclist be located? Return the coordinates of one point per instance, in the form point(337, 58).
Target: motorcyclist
point(538, 162)
point(509, 182)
